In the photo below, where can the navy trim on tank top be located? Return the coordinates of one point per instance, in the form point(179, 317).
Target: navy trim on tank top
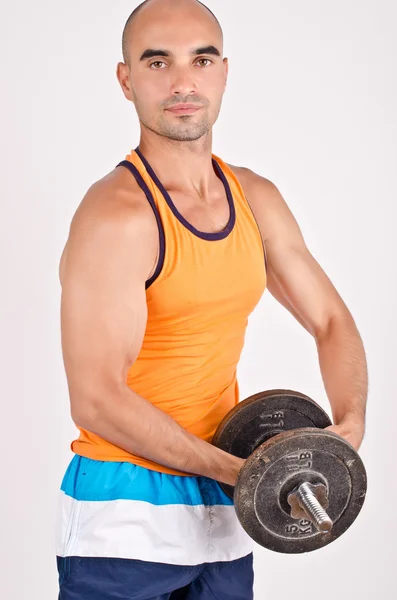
point(219, 235)
point(141, 182)
point(260, 234)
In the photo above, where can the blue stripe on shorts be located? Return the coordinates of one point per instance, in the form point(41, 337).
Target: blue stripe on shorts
point(105, 480)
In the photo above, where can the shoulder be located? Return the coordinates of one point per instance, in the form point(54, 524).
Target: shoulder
point(271, 210)
point(261, 193)
point(116, 197)
point(250, 178)
point(114, 207)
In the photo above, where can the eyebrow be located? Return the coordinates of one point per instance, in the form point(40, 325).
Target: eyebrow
point(152, 52)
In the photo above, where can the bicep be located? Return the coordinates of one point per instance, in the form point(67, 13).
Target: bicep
point(299, 283)
point(295, 278)
point(103, 306)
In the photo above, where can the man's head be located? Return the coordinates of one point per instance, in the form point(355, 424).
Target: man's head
point(173, 53)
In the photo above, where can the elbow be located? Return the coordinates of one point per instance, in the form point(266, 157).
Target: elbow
point(335, 323)
point(85, 412)
point(87, 409)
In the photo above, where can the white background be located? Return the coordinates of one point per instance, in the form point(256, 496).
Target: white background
point(311, 104)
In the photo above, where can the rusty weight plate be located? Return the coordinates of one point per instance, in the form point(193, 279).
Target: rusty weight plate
point(281, 464)
point(261, 416)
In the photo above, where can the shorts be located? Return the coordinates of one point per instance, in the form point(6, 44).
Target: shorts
point(126, 532)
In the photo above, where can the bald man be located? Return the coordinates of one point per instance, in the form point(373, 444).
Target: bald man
point(167, 256)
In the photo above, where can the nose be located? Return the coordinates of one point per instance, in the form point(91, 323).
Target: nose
point(183, 82)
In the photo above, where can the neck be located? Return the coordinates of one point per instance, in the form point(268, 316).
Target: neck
point(184, 166)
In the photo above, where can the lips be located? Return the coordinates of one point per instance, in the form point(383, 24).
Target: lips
point(179, 108)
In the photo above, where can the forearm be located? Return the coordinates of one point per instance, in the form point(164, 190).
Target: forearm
point(344, 370)
point(137, 426)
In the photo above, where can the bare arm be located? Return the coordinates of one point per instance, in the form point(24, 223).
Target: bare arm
point(298, 282)
point(111, 251)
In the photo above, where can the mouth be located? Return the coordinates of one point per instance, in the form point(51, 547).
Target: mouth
point(184, 109)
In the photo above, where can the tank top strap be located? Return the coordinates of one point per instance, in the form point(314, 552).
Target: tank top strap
point(140, 179)
point(235, 186)
point(241, 201)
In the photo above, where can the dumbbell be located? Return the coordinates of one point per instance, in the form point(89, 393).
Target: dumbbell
point(301, 486)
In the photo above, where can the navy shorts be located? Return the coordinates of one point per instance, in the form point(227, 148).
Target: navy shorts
point(83, 578)
point(125, 532)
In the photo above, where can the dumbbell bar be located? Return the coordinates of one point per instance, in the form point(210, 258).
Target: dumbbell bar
point(301, 487)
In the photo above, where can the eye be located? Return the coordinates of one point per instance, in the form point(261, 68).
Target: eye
point(200, 60)
point(156, 62)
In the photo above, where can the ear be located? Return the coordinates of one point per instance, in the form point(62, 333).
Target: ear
point(226, 67)
point(123, 76)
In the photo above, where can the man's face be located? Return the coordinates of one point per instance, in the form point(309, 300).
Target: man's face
point(176, 58)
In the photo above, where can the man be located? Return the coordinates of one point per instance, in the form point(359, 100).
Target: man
point(167, 256)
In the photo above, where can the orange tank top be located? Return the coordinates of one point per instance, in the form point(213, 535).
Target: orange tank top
point(204, 287)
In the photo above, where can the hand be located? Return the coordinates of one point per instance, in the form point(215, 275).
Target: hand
point(351, 430)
